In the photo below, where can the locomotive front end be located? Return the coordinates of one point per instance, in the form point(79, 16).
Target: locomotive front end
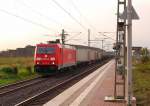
point(45, 59)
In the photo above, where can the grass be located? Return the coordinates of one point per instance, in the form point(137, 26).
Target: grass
point(13, 69)
point(17, 61)
point(141, 83)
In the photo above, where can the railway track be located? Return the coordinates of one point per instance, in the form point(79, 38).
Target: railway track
point(27, 90)
point(13, 96)
point(20, 85)
point(16, 86)
point(43, 97)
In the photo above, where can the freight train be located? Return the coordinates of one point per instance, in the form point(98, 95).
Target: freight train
point(54, 57)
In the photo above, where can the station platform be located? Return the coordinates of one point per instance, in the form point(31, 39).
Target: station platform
point(91, 90)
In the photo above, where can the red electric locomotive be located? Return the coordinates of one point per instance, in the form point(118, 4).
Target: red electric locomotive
point(52, 57)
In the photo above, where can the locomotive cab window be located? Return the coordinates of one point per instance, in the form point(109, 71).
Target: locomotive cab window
point(45, 50)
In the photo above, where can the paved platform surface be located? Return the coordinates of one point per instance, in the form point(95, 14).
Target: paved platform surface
point(90, 91)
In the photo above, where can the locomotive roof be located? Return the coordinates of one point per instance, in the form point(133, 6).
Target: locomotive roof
point(45, 44)
point(55, 44)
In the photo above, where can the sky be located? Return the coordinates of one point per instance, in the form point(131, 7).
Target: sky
point(28, 22)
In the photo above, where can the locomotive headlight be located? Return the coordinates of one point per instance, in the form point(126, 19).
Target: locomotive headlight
point(53, 63)
point(52, 58)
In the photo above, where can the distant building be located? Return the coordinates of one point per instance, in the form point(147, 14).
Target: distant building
point(28, 51)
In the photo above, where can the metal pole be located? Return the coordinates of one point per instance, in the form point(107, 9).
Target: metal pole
point(102, 47)
point(116, 53)
point(89, 37)
point(124, 53)
point(63, 36)
point(129, 54)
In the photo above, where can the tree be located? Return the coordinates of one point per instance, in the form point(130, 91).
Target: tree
point(144, 55)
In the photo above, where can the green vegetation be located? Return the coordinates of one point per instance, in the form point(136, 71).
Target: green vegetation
point(144, 55)
point(141, 82)
point(16, 61)
point(13, 69)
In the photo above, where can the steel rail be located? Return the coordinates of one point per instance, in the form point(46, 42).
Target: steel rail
point(43, 94)
point(19, 85)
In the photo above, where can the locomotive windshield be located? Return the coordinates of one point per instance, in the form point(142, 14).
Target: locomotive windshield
point(45, 50)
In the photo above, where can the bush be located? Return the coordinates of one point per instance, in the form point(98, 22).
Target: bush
point(29, 69)
point(145, 55)
point(144, 59)
point(10, 70)
point(15, 70)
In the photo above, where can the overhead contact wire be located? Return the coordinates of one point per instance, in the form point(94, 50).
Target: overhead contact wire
point(86, 20)
point(42, 15)
point(69, 14)
point(26, 20)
